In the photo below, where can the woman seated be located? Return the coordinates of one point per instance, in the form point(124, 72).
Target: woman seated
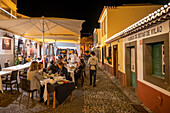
point(63, 71)
point(40, 68)
point(53, 68)
point(34, 76)
point(78, 74)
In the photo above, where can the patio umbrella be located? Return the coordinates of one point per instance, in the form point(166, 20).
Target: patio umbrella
point(45, 28)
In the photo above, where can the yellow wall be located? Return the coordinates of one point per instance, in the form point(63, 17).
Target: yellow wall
point(124, 16)
point(117, 20)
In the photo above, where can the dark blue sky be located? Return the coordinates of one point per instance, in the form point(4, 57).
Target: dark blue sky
point(88, 10)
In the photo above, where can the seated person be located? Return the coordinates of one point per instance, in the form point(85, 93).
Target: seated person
point(78, 73)
point(52, 67)
point(34, 76)
point(24, 60)
point(40, 68)
point(63, 71)
point(29, 59)
point(65, 59)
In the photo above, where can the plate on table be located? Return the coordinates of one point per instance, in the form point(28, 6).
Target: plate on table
point(45, 77)
point(65, 81)
point(60, 82)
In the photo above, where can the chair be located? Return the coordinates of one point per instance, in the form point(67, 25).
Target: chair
point(6, 65)
point(11, 80)
point(25, 86)
point(0, 68)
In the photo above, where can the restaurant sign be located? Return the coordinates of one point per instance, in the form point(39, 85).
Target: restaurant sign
point(150, 32)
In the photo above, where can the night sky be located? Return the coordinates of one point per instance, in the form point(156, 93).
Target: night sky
point(88, 10)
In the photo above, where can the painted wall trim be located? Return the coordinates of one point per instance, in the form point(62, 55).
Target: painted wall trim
point(155, 87)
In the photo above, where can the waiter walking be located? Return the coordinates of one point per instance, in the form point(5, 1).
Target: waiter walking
point(93, 61)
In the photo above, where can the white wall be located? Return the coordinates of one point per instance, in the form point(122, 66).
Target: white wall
point(6, 54)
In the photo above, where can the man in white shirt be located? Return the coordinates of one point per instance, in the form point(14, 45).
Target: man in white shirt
point(93, 61)
point(73, 57)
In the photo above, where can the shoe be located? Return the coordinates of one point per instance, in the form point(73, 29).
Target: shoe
point(94, 85)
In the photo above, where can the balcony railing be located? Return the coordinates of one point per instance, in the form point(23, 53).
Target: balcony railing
point(6, 13)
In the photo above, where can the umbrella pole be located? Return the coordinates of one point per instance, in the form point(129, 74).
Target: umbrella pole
point(55, 49)
point(43, 45)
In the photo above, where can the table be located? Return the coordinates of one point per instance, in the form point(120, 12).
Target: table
point(45, 81)
point(17, 68)
point(60, 92)
point(3, 73)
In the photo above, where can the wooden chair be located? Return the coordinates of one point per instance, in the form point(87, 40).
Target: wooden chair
point(25, 86)
point(0, 68)
point(6, 65)
point(11, 80)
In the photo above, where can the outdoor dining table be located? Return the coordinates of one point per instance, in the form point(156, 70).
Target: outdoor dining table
point(3, 73)
point(60, 91)
point(17, 68)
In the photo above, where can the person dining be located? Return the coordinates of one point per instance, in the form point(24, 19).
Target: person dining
point(40, 68)
point(24, 60)
point(63, 71)
point(34, 76)
point(53, 68)
point(78, 74)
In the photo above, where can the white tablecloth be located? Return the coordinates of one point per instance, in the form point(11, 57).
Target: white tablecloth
point(3, 73)
point(17, 68)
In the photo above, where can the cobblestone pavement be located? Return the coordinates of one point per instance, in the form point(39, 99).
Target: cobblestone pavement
point(106, 97)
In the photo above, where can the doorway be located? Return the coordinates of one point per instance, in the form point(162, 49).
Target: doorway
point(102, 55)
point(115, 60)
point(131, 65)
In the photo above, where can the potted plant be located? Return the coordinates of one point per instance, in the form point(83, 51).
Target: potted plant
point(109, 59)
point(17, 61)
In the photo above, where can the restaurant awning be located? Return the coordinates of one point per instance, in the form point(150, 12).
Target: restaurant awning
point(44, 28)
point(53, 28)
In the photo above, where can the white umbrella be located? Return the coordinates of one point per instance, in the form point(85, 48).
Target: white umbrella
point(48, 28)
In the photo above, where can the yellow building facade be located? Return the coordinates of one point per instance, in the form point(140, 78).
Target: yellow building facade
point(8, 9)
point(113, 20)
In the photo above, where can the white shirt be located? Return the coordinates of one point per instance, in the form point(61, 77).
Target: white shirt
point(73, 58)
point(93, 61)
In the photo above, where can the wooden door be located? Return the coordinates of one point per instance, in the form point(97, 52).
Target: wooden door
point(102, 55)
point(115, 60)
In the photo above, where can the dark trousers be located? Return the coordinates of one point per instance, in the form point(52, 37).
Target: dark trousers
point(42, 93)
point(93, 73)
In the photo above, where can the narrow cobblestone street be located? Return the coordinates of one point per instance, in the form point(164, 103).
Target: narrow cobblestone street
point(106, 97)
